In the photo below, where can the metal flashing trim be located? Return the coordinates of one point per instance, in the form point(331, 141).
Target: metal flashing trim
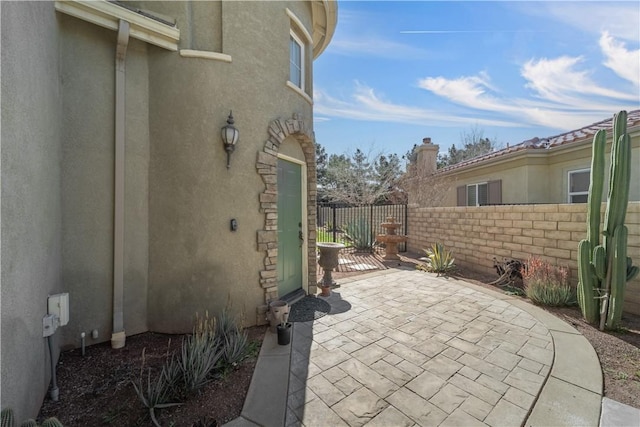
point(108, 15)
point(300, 92)
point(205, 54)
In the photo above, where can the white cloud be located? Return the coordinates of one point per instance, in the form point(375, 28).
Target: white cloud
point(366, 105)
point(620, 19)
point(625, 63)
point(474, 92)
point(558, 80)
point(562, 95)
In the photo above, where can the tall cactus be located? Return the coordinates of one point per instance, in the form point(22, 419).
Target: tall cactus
point(6, 417)
point(588, 279)
point(603, 270)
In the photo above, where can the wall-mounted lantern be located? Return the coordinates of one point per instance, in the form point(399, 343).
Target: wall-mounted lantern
point(230, 136)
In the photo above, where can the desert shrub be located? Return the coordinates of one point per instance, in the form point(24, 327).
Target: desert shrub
point(359, 234)
point(157, 394)
point(439, 260)
point(547, 284)
point(214, 346)
point(233, 340)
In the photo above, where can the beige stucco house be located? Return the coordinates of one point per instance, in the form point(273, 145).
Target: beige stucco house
point(548, 170)
point(115, 185)
point(521, 201)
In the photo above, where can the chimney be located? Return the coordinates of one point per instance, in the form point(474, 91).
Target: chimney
point(427, 157)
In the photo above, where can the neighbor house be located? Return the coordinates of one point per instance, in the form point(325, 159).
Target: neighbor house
point(116, 185)
point(526, 200)
point(547, 170)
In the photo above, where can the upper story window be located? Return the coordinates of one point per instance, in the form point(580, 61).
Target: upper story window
point(296, 61)
point(480, 194)
point(579, 185)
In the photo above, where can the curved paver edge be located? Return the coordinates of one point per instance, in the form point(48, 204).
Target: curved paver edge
point(557, 398)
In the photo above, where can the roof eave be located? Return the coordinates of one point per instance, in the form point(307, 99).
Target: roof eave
point(325, 19)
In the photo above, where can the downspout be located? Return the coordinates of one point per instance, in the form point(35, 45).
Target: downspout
point(118, 335)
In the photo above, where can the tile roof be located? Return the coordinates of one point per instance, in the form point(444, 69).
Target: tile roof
point(633, 119)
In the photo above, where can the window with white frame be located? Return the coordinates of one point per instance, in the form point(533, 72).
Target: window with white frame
point(480, 194)
point(477, 194)
point(296, 60)
point(579, 185)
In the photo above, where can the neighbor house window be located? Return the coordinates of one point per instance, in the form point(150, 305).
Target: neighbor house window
point(480, 194)
point(477, 194)
point(579, 185)
point(296, 61)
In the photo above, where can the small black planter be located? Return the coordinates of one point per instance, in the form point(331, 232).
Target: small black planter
point(284, 333)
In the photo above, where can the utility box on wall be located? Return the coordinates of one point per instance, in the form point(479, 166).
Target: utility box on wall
point(58, 305)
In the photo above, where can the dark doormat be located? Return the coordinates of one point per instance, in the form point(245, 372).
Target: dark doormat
point(307, 309)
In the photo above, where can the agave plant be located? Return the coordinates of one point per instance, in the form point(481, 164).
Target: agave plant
point(359, 234)
point(439, 260)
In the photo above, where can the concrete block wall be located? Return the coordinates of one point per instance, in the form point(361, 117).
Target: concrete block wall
point(549, 231)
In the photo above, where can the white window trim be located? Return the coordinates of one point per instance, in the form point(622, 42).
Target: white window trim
point(476, 184)
point(205, 54)
point(303, 65)
point(300, 92)
point(108, 15)
point(299, 26)
point(575, 193)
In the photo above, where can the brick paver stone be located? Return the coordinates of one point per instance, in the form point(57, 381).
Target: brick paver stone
point(426, 385)
point(417, 351)
point(390, 417)
point(317, 414)
point(326, 359)
point(360, 407)
point(477, 408)
point(325, 390)
point(449, 398)
point(442, 366)
point(368, 377)
point(391, 372)
point(506, 414)
point(416, 408)
point(459, 418)
point(525, 380)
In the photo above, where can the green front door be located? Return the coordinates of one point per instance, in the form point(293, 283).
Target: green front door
point(289, 227)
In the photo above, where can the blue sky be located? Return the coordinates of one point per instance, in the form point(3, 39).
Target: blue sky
point(396, 72)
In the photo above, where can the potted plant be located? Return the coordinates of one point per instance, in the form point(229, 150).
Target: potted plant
point(284, 330)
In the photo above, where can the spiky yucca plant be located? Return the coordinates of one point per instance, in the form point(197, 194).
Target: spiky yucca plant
point(439, 260)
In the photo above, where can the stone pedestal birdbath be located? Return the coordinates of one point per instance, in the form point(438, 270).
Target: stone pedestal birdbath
point(328, 261)
point(391, 239)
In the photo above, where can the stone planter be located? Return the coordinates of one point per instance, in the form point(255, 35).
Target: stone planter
point(277, 314)
point(328, 261)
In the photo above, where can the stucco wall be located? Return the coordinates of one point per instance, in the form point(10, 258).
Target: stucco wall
point(196, 262)
point(88, 80)
point(58, 173)
point(552, 232)
point(539, 176)
point(31, 199)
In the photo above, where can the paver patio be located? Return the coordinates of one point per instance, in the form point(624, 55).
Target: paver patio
point(405, 348)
